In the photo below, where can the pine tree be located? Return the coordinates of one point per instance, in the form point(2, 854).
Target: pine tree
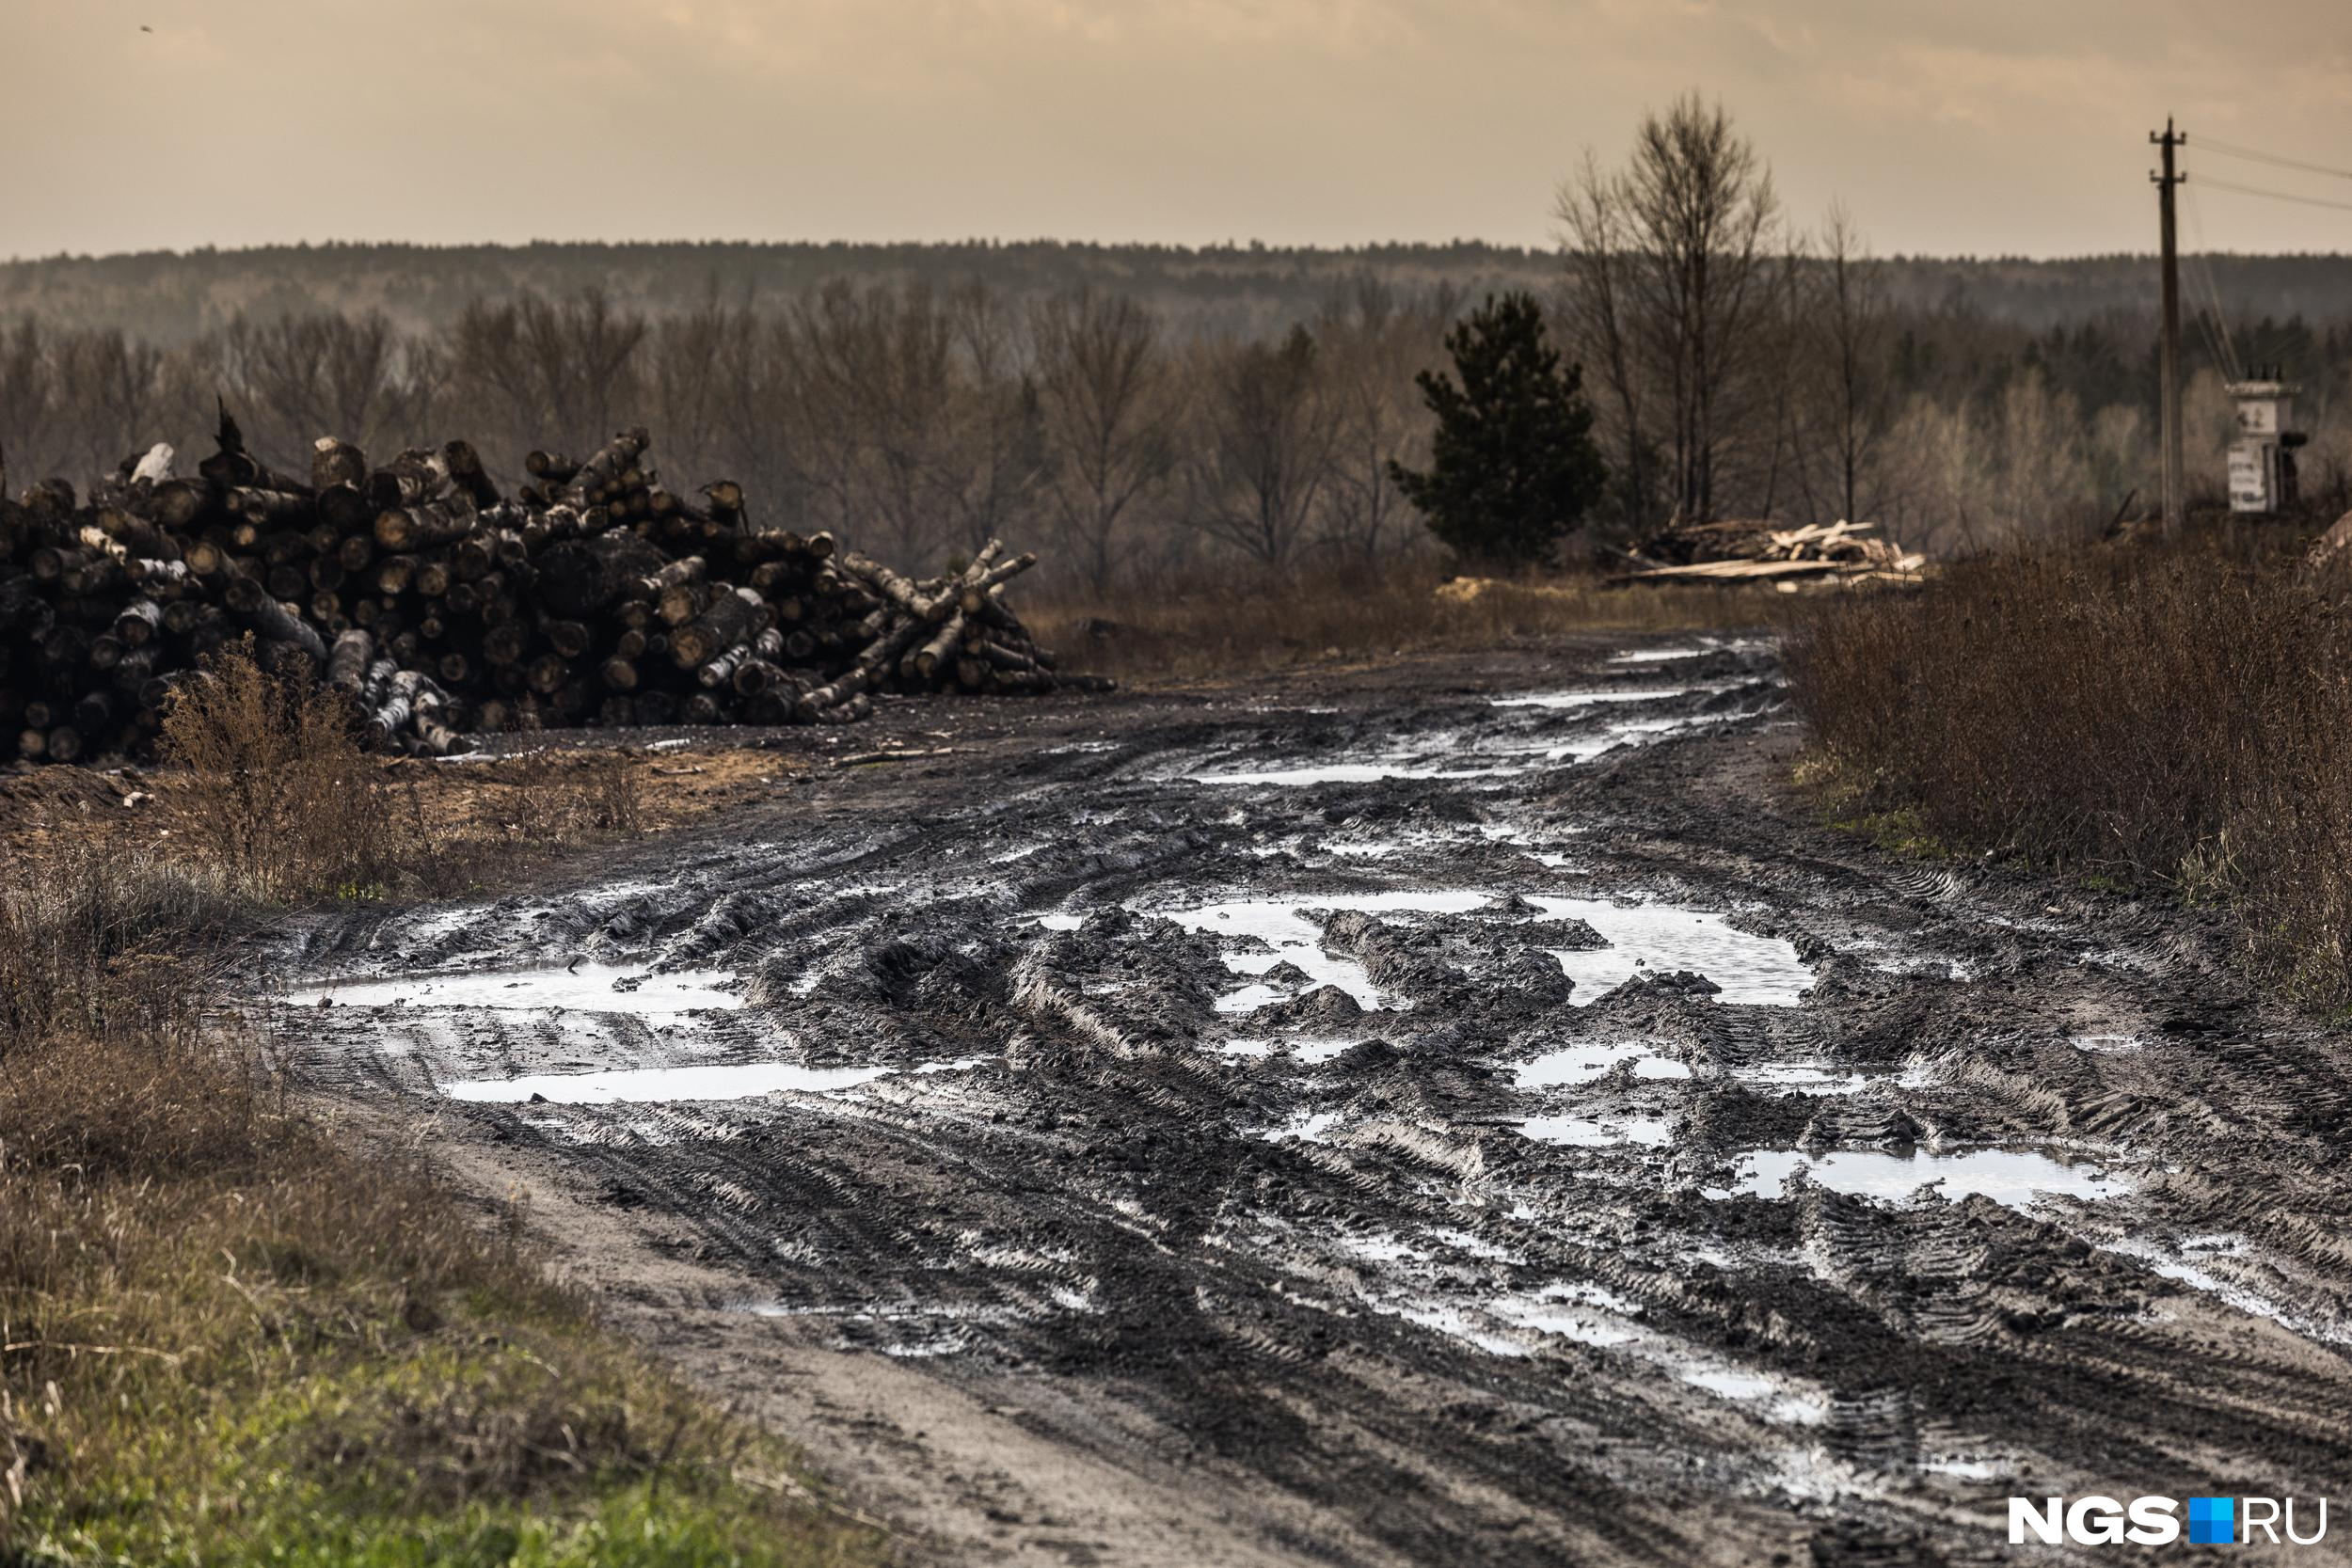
point(1513, 466)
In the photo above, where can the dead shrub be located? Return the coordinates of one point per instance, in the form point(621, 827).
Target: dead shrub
point(98, 942)
point(607, 795)
point(231, 1331)
point(208, 1292)
point(2168, 715)
point(284, 801)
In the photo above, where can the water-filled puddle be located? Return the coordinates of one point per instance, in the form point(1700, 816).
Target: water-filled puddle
point(1342, 772)
point(2187, 1265)
point(1798, 1078)
point(665, 1084)
point(1589, 1132)
point(1733, 1383)
point(1249, 999)
point(1517, 1323)
point(1588, 1314)
point(1467, 760)
point(1572, 700)
point(1626, 733)
point(1645, 938)
point(1396, 1281)
point(2012, 1177)
point(1281, 934)
point(1581, 1064)
point(1963, 1469)
point(1305, 1127)
point(1687, 650)
point(1657, 939)
point(587, 988)
point(660, 1085)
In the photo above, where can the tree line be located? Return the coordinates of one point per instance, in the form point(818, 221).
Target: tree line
point(1721, 358)
point(172, 297)
point(924, 420)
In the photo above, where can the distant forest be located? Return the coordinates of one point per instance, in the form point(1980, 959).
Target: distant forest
point(168, 298)
point(1154, 409)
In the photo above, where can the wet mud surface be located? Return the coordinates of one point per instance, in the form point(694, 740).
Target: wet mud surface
point(1470, 1111)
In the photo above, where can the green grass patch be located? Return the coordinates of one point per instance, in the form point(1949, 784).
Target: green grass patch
point(320, 1359)
point(1902, 832)
point(232, 1333)
point(1848, 803)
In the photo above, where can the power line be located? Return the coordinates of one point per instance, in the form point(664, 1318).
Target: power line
point(2210, 318)
point(2211, 183)
point(2230, 150)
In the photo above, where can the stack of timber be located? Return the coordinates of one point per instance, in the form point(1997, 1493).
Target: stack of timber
point(1751, 550)
point(595, 595)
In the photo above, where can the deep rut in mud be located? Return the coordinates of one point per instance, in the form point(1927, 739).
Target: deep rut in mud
point(1463, 1114)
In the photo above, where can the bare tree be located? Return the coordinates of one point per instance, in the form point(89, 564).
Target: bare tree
point(28, 410)
point(541, 371)
point(903, 413)
point(356, 376)
point(1264, 451)
point(110, 396)
point(586, 351)
point(818, 391)
point(1672, 263)
point(994, 460)
point(2038, 454)
point(1595, 316)
point(686, 390)
point(761, 420)
point(1103, 387)
point(904, 386)
point(888, 355)
point(1372, 342)
point(1846, 317)
point(1786, 346)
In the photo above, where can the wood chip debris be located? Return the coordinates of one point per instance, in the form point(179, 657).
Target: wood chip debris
point(1748, 550)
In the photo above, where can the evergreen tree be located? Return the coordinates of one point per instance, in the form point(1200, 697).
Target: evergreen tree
point(1513, 466)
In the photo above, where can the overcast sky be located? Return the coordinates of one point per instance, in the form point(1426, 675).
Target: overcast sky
point(1949, 126)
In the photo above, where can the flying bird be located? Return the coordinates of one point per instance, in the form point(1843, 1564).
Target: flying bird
point(144, 29)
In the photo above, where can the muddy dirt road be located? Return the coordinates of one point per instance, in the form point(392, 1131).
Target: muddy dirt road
point(1470, 1111)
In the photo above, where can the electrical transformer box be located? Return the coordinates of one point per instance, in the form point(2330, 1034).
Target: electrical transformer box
point(2261, 456)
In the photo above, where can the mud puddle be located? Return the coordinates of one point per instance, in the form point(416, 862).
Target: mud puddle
point(678, 1084)
point(2015, 1177)
point(1467, 1115)
point(589, 987)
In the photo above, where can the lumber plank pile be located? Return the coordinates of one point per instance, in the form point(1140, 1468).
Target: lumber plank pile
point(595, 595)
point(1742, 549)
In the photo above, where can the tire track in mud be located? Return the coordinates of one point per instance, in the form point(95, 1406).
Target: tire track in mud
point(1239, 1126)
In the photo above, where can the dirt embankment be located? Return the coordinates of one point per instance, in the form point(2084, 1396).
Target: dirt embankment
point(1460, 1112)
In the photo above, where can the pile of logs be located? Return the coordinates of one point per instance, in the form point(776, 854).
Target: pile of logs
point(594, 597)
point(1749, 551)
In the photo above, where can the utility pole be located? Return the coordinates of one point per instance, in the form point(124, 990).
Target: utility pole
point(2175, 506)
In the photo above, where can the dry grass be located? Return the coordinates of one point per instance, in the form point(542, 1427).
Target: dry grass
point(405, 828)
point(285, 809)
point(1225, 625)
point(2171, 716)
point(269, 788)
point(231, 1334)
point(227, 1336)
